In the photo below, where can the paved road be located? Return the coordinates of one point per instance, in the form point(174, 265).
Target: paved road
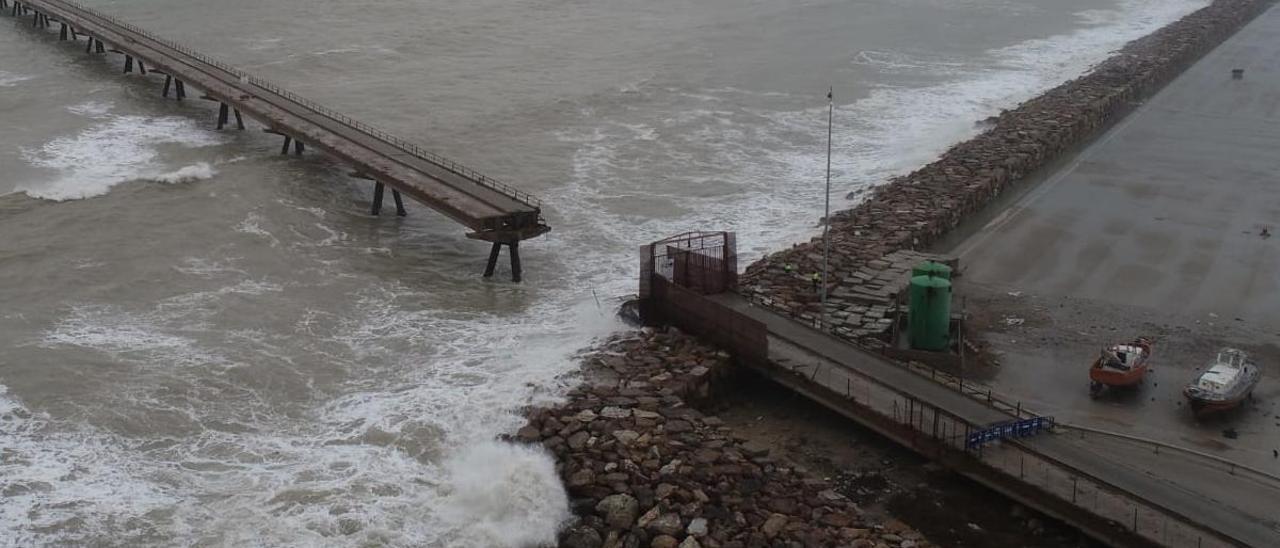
point(495, 212)
point(1239, 505)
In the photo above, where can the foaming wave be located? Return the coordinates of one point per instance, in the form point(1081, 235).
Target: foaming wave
point(92, 109)
point(499, 494)
point(902, 62)
point(252, 224)
point(122, 148)
point(483, 367)
point(9, 79)
point(143, 337)
point(64, 486)
point(195, 172)
point(404, 456)
point(209, 268)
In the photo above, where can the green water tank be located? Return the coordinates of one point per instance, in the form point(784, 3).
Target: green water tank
point(930, 268)
point(929, 315)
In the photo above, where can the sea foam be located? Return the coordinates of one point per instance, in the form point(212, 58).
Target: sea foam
point(112, 151)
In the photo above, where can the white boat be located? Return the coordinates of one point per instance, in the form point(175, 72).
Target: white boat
point(1227, 382)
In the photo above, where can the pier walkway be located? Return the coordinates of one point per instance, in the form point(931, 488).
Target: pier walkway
point(492, 210)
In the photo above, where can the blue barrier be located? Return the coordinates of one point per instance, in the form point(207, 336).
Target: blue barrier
point(1010, 429)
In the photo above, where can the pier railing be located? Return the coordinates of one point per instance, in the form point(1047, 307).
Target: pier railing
point(399, 142)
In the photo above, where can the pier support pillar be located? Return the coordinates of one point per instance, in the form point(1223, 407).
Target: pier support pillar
point(88, 48)
point(128, 64)
point(222, 115)
point(74, 36)
point(493, 259)
point(400, 212)
point(239, 120)
point(513, 248)
point(287, 141)
point(62, 32)
point(142, 69)
point(168, 81)
point(99, 46)
point(181, 89)
point(297, 147)
point(378, 188)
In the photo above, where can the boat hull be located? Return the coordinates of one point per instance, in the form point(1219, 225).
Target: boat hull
point(1202, 407)
point(1113, 378)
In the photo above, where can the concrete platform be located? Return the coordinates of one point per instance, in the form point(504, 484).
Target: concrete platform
point(1165, 212)
point(1156, 229)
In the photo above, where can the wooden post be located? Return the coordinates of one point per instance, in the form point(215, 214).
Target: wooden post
point(514, 249)
point(493, 259)
point(378, 189)
point(399, 203)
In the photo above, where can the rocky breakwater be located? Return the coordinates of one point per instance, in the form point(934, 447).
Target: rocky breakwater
point(913, 211)
point(645, 468)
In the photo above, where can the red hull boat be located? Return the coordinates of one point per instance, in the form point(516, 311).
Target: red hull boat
point(1120, 365)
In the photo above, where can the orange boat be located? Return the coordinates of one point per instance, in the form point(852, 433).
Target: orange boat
point(1120, 365)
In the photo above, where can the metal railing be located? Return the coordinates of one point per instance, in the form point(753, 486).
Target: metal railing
point(398, 142)
point(932, 428)
point(1221, 464)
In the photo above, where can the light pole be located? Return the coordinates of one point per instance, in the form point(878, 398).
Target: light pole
point(826, 214)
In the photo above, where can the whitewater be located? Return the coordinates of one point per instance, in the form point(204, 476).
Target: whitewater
point(206, 343)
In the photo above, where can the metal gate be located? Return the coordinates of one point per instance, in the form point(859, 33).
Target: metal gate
point(703, 262)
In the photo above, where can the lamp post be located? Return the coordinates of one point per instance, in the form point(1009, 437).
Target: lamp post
point(826, 214)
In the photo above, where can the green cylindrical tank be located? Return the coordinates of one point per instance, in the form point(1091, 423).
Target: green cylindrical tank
point(931, 268)
point(929, 315)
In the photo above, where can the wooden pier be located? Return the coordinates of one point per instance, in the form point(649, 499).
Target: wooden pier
point(493, 211)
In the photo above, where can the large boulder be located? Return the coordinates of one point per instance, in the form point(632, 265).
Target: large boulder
point(664, 541)
point(580, 536)
point(619, 511)
point(773, 525)
point(667, 524)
